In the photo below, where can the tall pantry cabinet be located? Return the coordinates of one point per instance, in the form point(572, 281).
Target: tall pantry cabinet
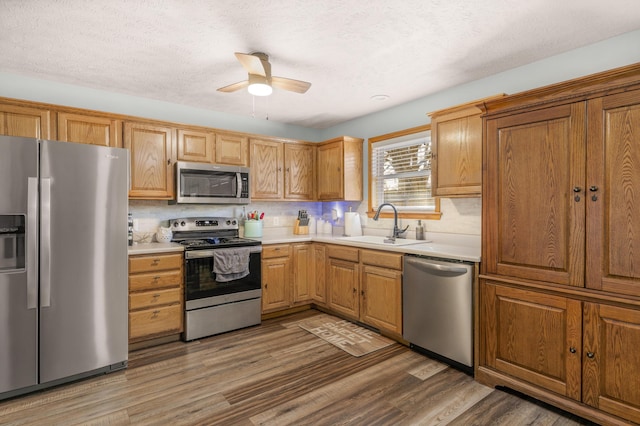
point(560, 282)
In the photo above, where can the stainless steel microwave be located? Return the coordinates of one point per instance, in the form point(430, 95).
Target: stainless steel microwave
point(202, 183)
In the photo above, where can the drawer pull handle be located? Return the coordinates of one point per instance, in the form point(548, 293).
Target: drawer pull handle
point(155, 296)
point(155, 314)
point(155, 262)
point(156, 278)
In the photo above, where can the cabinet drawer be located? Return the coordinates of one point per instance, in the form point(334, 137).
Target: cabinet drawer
point(155, 281)
point(342, 252)
point(381, 259)
point(149, 299)
point(155, 321)
point(276, 250)
point(148, 263)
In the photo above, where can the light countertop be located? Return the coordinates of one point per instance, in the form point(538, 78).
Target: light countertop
point(152, 248)
point(445, 246)
point(441, 245)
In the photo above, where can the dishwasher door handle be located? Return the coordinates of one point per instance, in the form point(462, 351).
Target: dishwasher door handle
point(425, 265)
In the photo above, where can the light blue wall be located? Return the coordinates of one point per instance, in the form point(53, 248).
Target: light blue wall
point(27, 88)
point(608, 54)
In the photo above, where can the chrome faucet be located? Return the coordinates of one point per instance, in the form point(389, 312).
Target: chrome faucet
point(396, 231)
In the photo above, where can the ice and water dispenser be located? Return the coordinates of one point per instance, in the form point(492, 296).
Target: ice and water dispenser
point(12, 242)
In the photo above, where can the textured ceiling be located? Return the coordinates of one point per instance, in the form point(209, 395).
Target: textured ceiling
point(181, 51)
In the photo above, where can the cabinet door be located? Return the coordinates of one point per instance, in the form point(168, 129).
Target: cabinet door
point(196, 146)
point(330, 177)
point(152, 158)
point(102, 131)
point(381, 304)
point(302, 266)
point(318, 273)
point(25, 121)
point(232, 149)
point(611, 368)
point(276, 280)
point(613, 204)
point(457, 152)
point(266, 166)
point(535, 195)
point(535, 337)
point(344, 282)
point(299, 180)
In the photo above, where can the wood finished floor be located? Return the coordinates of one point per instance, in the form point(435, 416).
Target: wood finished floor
point(278, 374)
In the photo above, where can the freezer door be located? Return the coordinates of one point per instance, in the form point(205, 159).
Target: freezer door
point(83, 258)
point(18, 263)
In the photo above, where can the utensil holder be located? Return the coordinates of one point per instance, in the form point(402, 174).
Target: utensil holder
point(253, 228)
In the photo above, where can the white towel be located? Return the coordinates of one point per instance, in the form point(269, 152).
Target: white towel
point(231, 263)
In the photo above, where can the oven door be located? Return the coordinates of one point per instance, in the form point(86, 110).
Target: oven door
point(203, 289)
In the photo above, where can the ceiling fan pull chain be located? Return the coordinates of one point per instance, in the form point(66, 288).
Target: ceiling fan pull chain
point(253, 106)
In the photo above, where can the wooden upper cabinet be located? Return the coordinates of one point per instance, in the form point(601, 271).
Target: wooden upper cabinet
point(88, 129)
point(197, 146)
point(613, 194)
point(266, 169)
point(456, 146)
point(534, 192)
point(339, 169)
point(299, 177)
point(533, 336)
point(152, 152)
point(25, 121)
point(232, 149)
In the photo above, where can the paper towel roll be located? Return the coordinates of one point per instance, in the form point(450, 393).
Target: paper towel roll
point(349, 219)
point(352, 226)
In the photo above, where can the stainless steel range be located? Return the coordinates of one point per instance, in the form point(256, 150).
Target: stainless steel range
point(222, 276)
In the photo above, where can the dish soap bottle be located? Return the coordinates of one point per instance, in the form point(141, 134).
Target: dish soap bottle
point(419, 231)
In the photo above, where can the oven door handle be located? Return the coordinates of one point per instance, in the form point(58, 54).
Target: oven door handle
point(199, 254)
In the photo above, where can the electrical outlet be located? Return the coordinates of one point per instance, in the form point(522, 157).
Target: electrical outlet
point(276, 221)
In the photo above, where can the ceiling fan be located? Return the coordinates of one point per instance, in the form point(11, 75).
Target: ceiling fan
point(260, 81)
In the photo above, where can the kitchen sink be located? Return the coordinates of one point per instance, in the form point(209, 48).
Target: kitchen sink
point(375, 239)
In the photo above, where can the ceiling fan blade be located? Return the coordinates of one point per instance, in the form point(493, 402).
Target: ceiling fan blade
point(254, 64)
point(290, 84)
point(235, 86)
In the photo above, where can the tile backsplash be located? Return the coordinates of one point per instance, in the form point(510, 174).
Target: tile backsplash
point(459, 216)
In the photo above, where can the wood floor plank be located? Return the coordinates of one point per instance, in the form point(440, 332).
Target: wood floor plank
point(277, 374)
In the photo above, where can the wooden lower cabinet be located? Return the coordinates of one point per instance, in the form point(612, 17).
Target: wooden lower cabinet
point(155, 296)
point(302, 255)
point(318, 274)
point(366, 285)
point(611, 360)
point(344, 287)
point(276, 277)
point(550, 345)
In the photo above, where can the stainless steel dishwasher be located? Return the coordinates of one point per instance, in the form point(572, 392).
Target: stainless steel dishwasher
point(437, 303)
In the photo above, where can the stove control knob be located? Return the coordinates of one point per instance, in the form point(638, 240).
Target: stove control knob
point(228, 222)
point(234, 222)
point(183, 223)
point(175, 224)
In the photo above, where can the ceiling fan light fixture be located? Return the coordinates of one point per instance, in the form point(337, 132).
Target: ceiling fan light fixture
point(259, 85)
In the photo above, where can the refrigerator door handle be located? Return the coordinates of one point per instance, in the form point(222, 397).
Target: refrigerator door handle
point(45, 243)
point(32, 243)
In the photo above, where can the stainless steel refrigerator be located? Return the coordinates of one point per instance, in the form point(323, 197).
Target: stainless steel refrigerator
point(63, 262)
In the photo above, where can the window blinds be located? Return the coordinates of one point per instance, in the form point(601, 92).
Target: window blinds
point(401, 173)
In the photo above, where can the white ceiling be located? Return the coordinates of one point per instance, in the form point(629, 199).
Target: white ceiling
point(181, 51)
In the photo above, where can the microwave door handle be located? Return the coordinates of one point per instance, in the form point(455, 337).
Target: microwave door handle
point(238, 185)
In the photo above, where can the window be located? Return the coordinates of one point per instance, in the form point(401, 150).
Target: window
point(400, 166)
